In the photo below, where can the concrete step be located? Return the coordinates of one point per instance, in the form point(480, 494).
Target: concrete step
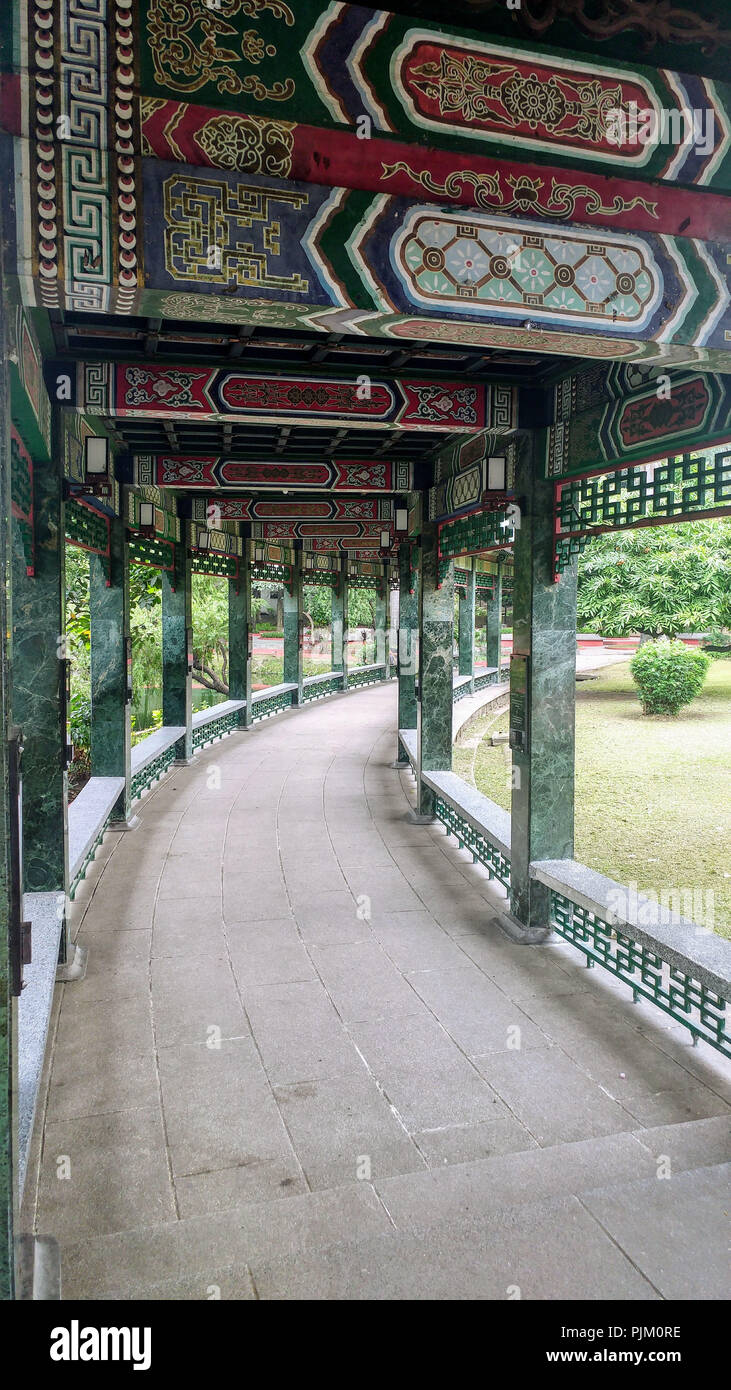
point(438, 1221)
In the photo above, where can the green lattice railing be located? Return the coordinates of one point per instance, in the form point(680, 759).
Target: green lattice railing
point(486, 678)
point(685, 999)
point(272, 704)
point(621, 499)
point(329, 687)
point(216, 728)
point(151, 771)
point(356, 677)
point(460, 692)
point(481, 849)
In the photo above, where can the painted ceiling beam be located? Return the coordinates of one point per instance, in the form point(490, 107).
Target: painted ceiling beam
point(374, 72)
point(621, 415)
point(206, 473)
point(176, 131)
point(102, 231)
point(308, 257)
point(309, 510)
point(693, 34)
point(156, 391)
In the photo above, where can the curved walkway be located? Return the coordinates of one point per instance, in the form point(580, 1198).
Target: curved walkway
point(305, 1062)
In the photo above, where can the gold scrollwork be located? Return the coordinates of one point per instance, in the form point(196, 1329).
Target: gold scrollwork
point(526, 193)
point(249, 143)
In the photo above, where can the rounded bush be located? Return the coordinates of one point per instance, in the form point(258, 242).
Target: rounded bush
point(668, 675)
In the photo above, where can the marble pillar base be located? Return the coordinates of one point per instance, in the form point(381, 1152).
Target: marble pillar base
point(417, 818)
point(130, 824)
point(74, 968)
point(399, 764)
point(38, 1269)
point(518, 932)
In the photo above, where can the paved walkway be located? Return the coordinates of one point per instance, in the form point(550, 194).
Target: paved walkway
point(303, 1064)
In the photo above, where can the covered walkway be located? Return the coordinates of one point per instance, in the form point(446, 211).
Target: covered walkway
point(306, 1063)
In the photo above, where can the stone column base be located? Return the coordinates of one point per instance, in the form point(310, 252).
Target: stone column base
point(518, 932)
point(75, 967)
point(130, 824)
point(38, 1268)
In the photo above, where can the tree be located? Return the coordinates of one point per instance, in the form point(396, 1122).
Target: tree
point(210, 632)
point(657, 581)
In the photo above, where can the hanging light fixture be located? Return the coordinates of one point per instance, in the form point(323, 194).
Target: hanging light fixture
point(497, 471)
point(97, 459)
point(147, 519)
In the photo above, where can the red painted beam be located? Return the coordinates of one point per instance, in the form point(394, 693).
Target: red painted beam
point(340, 159)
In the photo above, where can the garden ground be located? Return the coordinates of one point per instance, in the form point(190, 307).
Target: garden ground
point(651, 793)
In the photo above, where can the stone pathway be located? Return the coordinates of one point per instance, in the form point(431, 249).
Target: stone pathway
point(303, 1063)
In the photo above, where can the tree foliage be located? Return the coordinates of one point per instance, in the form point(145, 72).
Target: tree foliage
point(210, 631)
point(659, 580)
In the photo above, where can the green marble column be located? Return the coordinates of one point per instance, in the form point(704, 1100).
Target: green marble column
point(544, 631)
point(293, 645)
point(38, 674)
point(467, 627)
point(436, 638)
point(177, 625)
point(239, 622)
point(383, 593)
point(494, 623)
point(109, 624)
point(340, 624)
point(408, 643)
point(8, 1006)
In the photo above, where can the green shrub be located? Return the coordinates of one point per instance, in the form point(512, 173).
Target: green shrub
point(668, 675)
point(80, 720)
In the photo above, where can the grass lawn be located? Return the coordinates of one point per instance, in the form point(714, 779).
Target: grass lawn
point(652, 793)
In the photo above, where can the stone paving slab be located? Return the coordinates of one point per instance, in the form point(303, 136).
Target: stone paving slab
point(548, 1250)
point(475, 1191)
point(305, 1063)
point(132, 1259)
point(654, 1220)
